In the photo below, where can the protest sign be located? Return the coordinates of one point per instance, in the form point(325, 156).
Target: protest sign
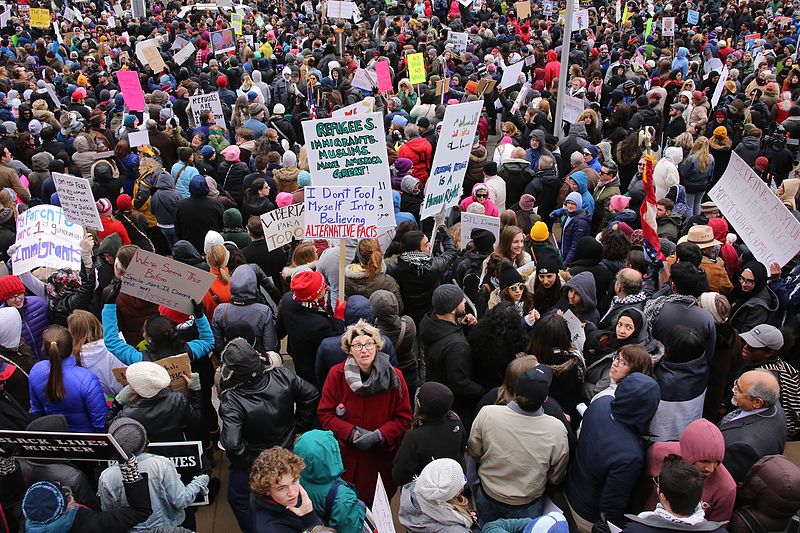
point(118, 9)
point(363, 79)
point(443, 188)
point(111, 22)
point(178, 43)
point(341, 212)
point(668, 26)
point(547, 8)
point(131, 89)
point(45, 238)
point(153, 57)
point(416, 68)
point(577, 332)
point(384, 76)
point(176, 366)
point(59, 446)
point(693, 16)
point(236, 22)
point(723, 77)
point(363, 106)
point(759, 217)
point(711, 65)
point(523, 9)
point(40, 18)
point(346, 151)
point(459, 40)
point(138, 138)
point(511, 75)
point(223, 41)
point(520, 99)
point(442, 86)
point(77, 200)
point(340, 9)
point(573, 107)
point(282, 225)
point(485, 86)
point(581, 20)
point(165, 281)
point(139, 10)
point(184, 53)
point(381, 510)
point(470, 221)
point(209, 101)
point(187, 458)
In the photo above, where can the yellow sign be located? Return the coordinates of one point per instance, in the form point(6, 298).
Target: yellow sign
point(236, 22)
point(40, 18)
point(416, 68)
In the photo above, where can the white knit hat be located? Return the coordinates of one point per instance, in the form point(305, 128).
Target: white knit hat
point(212, 238)
point(440, 481)
point(147, 379)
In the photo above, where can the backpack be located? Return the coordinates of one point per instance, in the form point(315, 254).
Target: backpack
point(369, 522)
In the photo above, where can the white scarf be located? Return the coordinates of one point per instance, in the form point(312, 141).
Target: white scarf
point(697, 517)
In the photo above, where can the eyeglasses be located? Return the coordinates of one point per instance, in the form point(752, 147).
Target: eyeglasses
point(737, 390)
point(640, 165)
point(745, 281)
point(481, 196)
point(367, 345)
point(517, 287)
point(20, 296)
point(620, 361)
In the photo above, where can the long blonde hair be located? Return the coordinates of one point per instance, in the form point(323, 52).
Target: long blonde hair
point(701, 151)
point(84, 328)
point(217, 257)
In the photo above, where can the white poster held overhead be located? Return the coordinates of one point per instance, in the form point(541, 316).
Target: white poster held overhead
point(348, 151)
point(580, 21)
point(573, 107)
point(765, 225)
point(723, 77)
point(668, 28)
point(77, 200)
point(381, 510)
point(282, 225)
point(45, 238)
point(340, 9)
point(166, 282)
point(511, 74)
point(576, 330)
point(199, 102)
point(459, 40)
point(184, 53)
point(363, 106)
point(365, 79)
point(470, 221)
point(443, 188)
point(341, 212)
point(138, 138)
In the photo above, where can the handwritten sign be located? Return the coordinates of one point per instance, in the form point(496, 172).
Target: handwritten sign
point(363, 106)
point(767, 227)
point(40, 18)
point(60, 446)
point(693, 16)
point(153, 57)
point(282, 225)
point(346, 151)
point(341, 212)
point(573, 107)
point(576, 331)
point(364, 79)
point(443, 188)
point(77, 200)
point(511, 75)
point(184, 53)
point(470, 221)
point(341, 9)
point(236, 22)
point(175, 366)
point(581, 20)
point(523, 9)
point(723, 77)
point(384, 76)
point(166, 282)
point(459, 40)
point(381, 509)
point(45, 238)
point(668, 26)
point(416, 68)
point(211, 101)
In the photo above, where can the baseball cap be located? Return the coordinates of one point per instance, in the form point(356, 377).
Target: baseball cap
point(534, 384)
point(763, 336)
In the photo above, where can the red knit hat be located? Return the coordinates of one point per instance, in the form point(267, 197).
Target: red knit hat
point(308, 286)
point(173, 315)
point(9, 286)
point(222, 81)
point(762, 163)
point(124, 202)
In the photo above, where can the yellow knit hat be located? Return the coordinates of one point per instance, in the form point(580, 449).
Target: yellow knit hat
point(720, 132)
point(539, 232)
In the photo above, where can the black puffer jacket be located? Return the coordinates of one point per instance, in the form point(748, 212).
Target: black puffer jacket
point(269, 410)
point(231, 179)
point(169, 416)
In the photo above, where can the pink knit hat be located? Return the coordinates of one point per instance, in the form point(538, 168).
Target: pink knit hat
point(619, 203)
point(283, 199)
point(231, 153)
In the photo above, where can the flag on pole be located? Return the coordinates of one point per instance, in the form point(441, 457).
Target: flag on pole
point(626, 14)
point(312, 105)
point(647, 214)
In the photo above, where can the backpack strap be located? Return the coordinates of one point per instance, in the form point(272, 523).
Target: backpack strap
point(331, 496)
point(402, 333)
point(752, 522)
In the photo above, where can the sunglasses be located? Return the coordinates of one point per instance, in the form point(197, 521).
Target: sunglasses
point(517, 287)
point(481, 196)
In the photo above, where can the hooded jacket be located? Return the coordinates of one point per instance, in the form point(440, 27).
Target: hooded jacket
point(420, 152)
point(186, 253)
point(681, 62)
point(544, 187)
point(665, 173)
point(401, 330)
point(603, 482)
point(551, 70)
point(576, 141)
point(490, 209)
point(165, 200)
point(196, 216)
point(700, 441)
point(588, 258)
point(749, 149)
point(84, 156)
point(358, 281)
point(243, 307)
point(233, 228)
point(575, 226)
point(683, 392)
point(324, 468)
point(582, 180)
point(415, 520)
point(95, 357)
point(517, 174)
point(770, 494)
point(582, 283)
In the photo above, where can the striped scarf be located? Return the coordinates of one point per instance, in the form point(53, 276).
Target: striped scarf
point(381, 378)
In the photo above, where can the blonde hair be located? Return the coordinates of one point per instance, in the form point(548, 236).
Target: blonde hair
point(701, 150)
point(84, 328)
point(361, 328)
point(511, 126)
point(217, 257)
point(304, 254)
point(147, 165)
point(370, 257)
point(684, 140)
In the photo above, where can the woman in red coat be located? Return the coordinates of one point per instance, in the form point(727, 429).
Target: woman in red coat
point(365, 403)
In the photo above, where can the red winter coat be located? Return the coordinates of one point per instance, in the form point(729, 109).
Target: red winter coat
point(388, 411)
point(113, 226)
point(551, 70)
point(420, 152)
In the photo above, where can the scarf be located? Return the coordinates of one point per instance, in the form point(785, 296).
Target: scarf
point(381, 378)
point(653, 308)
point(62, 282)
point(417, 259)
point(614, 180)
point(320, 307)
point(697, 517)
point(616, 301)
point(443, 513)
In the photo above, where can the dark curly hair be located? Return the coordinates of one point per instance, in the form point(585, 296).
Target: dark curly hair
point(616, 245)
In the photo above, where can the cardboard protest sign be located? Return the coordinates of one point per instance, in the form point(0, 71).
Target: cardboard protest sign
point(486, 86)
point(573, 107)
point(362, 106)
point(45, 238)
point(40, 18)
point(668, 26)
point(60, 446)
point(184, 53)
point(523, 9)
point(381, 510)
point(223, 41)
point(152, 57)
point(187, 459)
point(384, 76)
point(211, 101)
point(165, 281)
point(577, 332)
point(416, 68)
point(77, 200)
point(347, 151)
point(443, 188)
point(138, 138)
point(759, 217)
point(459, 40)
point(176, 366)
point(511, 75)
point(341, 212)
point(131, 89)
point(470, 221)
point(282, 225)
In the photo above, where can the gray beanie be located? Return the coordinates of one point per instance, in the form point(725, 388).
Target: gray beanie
point(129, 434)
point(446, 298)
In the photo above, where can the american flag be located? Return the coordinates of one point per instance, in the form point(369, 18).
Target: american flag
point(312, 105)
point(647, 214)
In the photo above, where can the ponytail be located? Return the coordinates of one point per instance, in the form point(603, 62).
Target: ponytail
point(57, 344)
point(370, 257)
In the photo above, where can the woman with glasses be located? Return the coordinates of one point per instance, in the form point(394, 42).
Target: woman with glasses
point(752, 302)
point(480, 194)
point(512, 289)
point(365, 403)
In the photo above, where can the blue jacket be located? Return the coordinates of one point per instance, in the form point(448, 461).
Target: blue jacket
point(603, 482)
point(269, 517)
point(583, 189)
point(680, 62)
point(182, 175)
point(579, 226)
point(401, 216)
point(34, 319)
point(683, 392)
point(84, 407)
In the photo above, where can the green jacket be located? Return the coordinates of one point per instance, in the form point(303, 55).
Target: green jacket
point(320, 452)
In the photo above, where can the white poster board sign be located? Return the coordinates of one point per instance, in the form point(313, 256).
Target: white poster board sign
point(166, 282)
point(580, 21)
point(765, 225)
point(138, 138)
point(470, 221)
point(77, 200)
point(668, 28)
point(282, 225)
point(723, 77)
point(459, 40)
point(573, 107)
point(511, 74)
point(364, 106)
point(211, 101)
point(341, 212)
point(184, 53)
point(349, 151)
point(576, 331)
point(364, 79)
point(45, 238)
point(443, 188)
point(381, 509)
point(340, 9)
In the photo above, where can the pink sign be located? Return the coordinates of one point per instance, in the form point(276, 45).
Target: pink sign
point(131, 89)
point(384, 76)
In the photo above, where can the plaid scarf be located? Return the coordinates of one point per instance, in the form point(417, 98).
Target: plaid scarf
point(653, 307)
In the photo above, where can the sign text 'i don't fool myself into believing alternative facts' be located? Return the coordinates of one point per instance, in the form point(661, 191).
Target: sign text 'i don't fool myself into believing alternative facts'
point(341, 212)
